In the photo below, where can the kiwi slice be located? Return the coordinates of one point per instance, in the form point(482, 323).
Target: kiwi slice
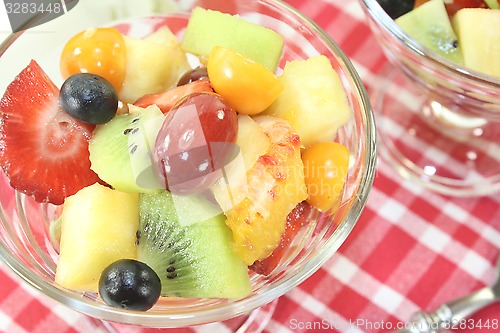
point(120, 150)
point(186, 241)
point(492, 4)
point(430, 25)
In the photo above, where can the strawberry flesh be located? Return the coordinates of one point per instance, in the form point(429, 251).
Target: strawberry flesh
point(456, 5)
point(167, 99)
point(297, 219)
point(43, 150)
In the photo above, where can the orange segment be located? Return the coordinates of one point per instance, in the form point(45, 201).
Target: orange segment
point(275, 186)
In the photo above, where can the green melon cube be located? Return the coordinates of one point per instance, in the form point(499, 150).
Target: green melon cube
point(209, 28)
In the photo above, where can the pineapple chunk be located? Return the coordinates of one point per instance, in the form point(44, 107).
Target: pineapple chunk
point(313, 100)
point(275, 186)
point(478, 31)
point(153, 65)
point(99, 226)
point(232, 188)
point(163, 36)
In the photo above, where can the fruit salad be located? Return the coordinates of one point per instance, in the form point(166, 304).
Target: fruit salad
point(466, 32)
point(179, 165)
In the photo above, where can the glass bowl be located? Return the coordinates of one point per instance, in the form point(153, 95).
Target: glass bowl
point(24, 237)
point(438, 122)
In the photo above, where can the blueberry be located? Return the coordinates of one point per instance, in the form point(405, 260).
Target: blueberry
point(89, 98)
point(129, 284)
point(396, 8)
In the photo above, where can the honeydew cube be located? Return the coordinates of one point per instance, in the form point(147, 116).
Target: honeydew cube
point(209, 28)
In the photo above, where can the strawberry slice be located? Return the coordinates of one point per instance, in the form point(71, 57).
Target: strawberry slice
point(43, 150)
point(297, 219)
point(165, 100)
point(456, 5)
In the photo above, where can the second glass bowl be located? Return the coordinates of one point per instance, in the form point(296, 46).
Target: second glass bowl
point(438, 123)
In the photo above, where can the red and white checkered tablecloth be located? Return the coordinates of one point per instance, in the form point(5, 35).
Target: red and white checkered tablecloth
point(412, 249)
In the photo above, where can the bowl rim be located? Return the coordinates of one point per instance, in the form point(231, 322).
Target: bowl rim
point(356, 205)
point(379, 16)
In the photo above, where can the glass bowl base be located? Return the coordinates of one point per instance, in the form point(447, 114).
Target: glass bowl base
point(253, 322)
point(430, 144)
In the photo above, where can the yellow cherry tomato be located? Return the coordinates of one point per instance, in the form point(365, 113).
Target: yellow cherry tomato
point(325, 171)
point(246, 85)
point(98, 51)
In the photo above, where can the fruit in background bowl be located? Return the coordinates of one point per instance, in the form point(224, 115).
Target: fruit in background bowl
point(479, 41)
point(430, 25)
point(493, 4)
point(460, 31)
point(455, 5)
point(397, 8)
